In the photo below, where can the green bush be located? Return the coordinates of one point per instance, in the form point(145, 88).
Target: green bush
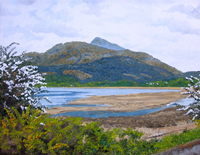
point(42, 134)
point(174, 139)
point(39, 134)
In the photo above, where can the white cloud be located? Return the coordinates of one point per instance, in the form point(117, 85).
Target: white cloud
point(94, 7)
point(188, 10)
point(175, 25)
point(168, 30)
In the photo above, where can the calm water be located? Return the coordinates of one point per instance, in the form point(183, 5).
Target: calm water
point(61, 96)
point(105, 114)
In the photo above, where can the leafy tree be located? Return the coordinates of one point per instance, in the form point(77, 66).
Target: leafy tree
point(17, 81)
point(193, 90)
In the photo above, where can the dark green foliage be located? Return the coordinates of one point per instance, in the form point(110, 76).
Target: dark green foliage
point(69, 81)
point(60, 81)
point(181, 82)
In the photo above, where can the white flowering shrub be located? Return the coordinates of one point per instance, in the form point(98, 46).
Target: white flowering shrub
point(18, 81)
point(193, 91)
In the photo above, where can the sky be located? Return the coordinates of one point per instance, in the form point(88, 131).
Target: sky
point(166, 29)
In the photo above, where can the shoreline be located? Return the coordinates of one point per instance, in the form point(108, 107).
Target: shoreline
point(122, 103)
point(172, 88)
point(153, 125)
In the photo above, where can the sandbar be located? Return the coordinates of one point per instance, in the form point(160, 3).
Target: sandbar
point(124, 103)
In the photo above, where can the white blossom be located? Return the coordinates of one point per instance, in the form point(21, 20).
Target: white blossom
point(184, 108)
point(189, 111)
point(5, 105)
point(193, 92)
point(20, 79)
point(42, 123)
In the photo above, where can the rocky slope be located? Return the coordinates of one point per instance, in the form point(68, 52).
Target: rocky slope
point(106, 44)
point(97, 63)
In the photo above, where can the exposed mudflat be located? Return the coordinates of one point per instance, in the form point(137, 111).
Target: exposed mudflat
point(163, 118)
point(154, 125)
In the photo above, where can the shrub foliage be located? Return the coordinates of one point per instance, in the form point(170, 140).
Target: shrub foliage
point(41, 134)
point(17, 81)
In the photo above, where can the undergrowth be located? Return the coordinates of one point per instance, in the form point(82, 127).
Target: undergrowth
point(41, 134)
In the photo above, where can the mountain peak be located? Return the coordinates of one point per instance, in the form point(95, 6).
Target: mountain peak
point(106, 44)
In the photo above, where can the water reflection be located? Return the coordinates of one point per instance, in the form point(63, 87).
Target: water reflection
point(61, 96)
point(106, 114)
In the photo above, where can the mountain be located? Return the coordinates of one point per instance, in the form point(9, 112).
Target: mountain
point(106, 44)
point(89, 63)
point(185, 74)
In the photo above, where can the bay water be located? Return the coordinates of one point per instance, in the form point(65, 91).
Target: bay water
point(62, 96)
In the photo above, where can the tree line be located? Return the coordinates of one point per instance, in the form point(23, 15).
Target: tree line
point(69, 81)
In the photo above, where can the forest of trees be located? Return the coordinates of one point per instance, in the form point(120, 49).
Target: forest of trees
point(68, 81)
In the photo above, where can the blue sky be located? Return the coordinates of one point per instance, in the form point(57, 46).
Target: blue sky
point(166, 29)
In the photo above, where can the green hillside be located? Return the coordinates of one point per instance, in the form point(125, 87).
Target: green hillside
point(90, 63)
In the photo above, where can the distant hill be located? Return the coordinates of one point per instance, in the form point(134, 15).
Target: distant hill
point(106, 44)
point(185, 74)
point(99, 61)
